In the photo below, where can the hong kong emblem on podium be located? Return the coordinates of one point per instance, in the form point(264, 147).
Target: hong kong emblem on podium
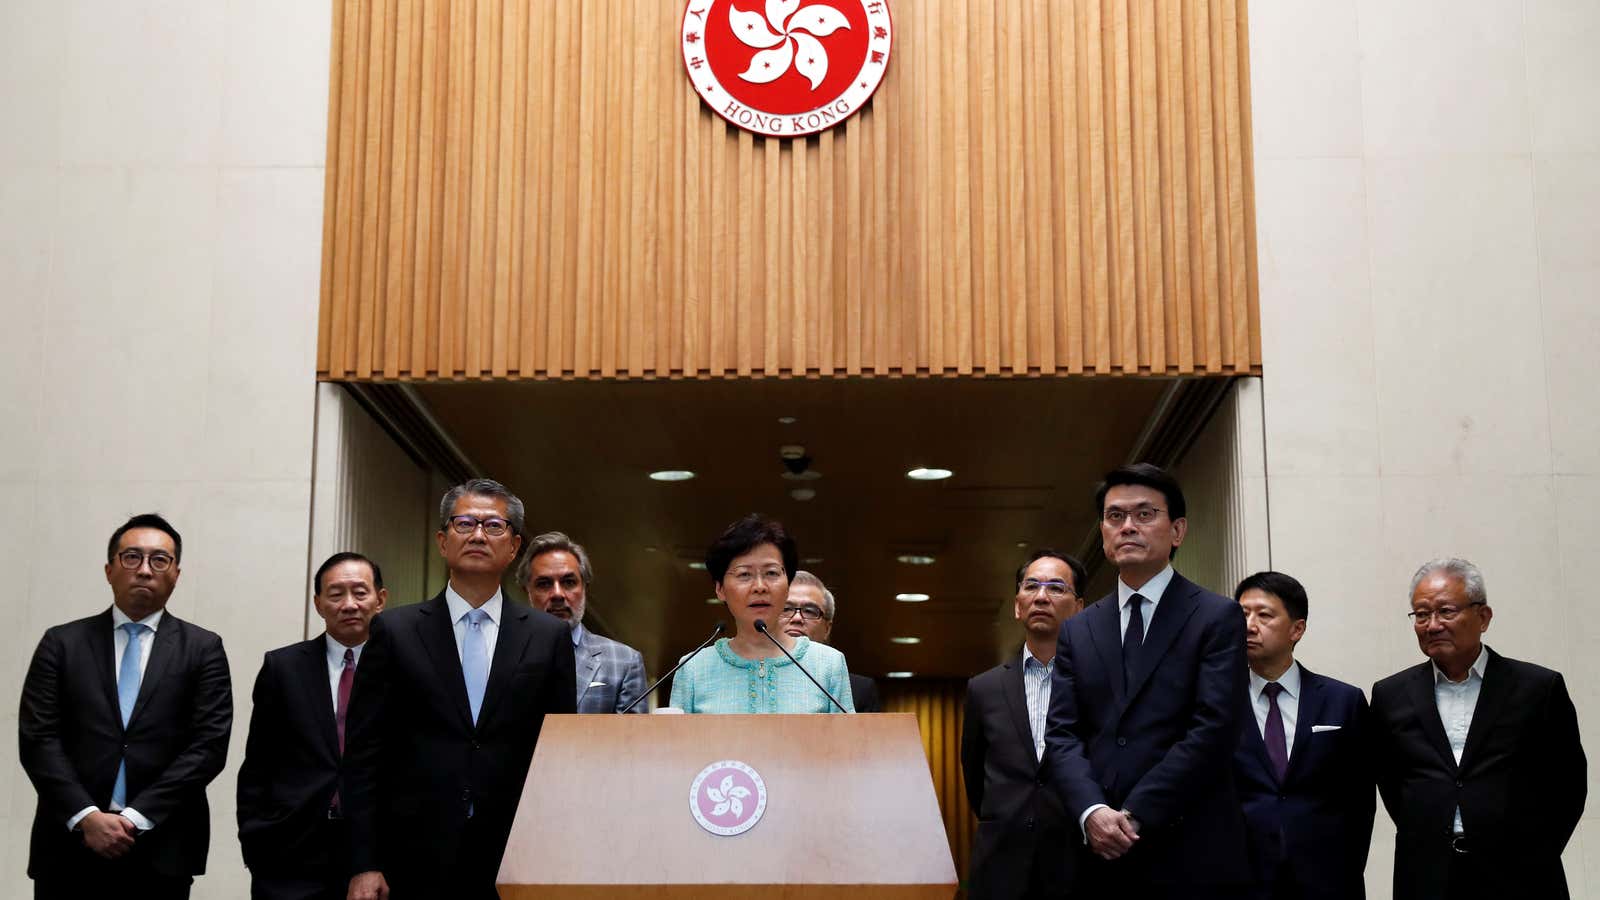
point(728, 797)
point(786, 68)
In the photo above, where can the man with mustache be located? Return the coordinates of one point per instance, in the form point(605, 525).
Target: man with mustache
point(1145, 710)
point(291, 819)
point(556, 575)
point(1022, 850)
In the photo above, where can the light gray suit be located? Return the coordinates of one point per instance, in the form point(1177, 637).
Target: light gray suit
point(610, 674)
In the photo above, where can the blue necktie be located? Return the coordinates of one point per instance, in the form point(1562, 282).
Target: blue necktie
point(127, 693)
point(475, 661)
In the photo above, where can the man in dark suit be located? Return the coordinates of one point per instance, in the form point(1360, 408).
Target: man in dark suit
point(1145, 710)
point(291, 823)
point(1479, 760)
point(555, 573)
point(1302, 763)
point(447, 706)
point(1023, 846)
point(809, 613)
point(125, 719)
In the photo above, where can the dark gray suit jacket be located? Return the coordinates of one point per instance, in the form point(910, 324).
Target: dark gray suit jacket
point(610, 675)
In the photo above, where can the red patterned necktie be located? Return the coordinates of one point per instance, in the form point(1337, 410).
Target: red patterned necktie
point(346, 679)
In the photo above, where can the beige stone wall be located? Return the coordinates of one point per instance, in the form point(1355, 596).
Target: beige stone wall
point(1427, 179)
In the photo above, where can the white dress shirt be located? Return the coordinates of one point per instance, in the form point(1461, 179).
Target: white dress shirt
point(1152, 592)
point(1036, 690)
point(336, 665)
point(577, 635)
point(459, 607)
point(119, 644)
point(1457, 700)
point(1288, 704)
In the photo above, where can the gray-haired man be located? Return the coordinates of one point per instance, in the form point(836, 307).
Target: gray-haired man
point(556, 573)
point(809, 613)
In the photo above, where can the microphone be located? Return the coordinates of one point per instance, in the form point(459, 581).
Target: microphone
point(762, 627)
point(652, 688)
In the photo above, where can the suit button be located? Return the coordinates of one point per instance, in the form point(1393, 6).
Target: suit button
point(1122, 742)
point(1040, 782)
point(1282, 797)
point(476, 745)
point(466, 794)
point(1459, 783)
point(1030, 824)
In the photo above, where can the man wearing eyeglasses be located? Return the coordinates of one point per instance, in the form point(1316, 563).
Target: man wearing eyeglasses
point(125, 719)
point(809, 613)
point(447, 704)
point(1479, 759)
point(1022, 849)
point(1145, 710)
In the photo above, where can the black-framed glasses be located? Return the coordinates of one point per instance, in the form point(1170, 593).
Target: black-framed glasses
point(808, 611)
point(1144, 515)
point(493, 526)
point(132, 559)
point(1054, 589)
point(1446, 614)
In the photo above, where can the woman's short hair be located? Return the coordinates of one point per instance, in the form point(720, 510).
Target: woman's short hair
point(745, 535)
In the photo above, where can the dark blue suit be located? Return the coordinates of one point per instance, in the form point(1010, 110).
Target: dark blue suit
point(1161, 747)
point(1309, 835)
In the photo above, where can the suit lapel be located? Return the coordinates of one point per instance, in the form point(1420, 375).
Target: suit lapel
point(588, 654)
point(162, 653)
point(514, 634)
point(1312, 699)
point(1017, 700)
point(1105, 629)
point(104, 651)
point(1171, 614)
point(1492, 697)
point(312, 670)
point(439, 638)
point(1420, 686)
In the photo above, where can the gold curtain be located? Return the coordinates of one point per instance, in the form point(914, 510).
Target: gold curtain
point(532, 189)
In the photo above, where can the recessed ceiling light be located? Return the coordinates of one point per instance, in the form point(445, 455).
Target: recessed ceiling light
point(1022, 545)
point(698, 565)
point(671, 475)
point(913, 559)
point(906, 640)
point(898, 674)
point(651, 550)
point(812, 560)
point(912, 598)
point(712, 601)
point(921, 474)
point(787, 420)
point(807, 475)
point(803, 494)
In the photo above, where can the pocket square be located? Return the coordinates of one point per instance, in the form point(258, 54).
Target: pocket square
point(603, 684)
point(1316, 729)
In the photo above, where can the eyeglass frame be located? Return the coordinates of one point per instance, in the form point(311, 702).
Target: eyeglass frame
point(789, 611)
point(456, 523)
point(1123, 515)
point(1421, 618)
point(1068, 590)
point(126, 553)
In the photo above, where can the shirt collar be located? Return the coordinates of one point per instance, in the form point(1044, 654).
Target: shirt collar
point(1290, 679)
point(578, 633)
point(1152, 590)
point(336, 650)
point(1030, 661)
point(459, 606)
point(1477, 668)
point(120, 618)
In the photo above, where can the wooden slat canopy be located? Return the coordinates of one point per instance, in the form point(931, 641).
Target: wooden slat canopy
point(531, 189)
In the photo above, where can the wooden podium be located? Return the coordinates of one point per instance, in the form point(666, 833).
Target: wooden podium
point(850, 811)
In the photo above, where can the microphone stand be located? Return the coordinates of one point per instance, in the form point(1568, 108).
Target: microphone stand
point(762, 627)
point(652, 688)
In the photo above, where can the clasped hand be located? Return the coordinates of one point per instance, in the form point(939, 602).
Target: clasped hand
point(1111, 833)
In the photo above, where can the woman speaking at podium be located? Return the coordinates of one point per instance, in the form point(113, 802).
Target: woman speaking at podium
point(760, 669)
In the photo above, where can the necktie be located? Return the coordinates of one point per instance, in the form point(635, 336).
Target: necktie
point(347, 677)
point(475, 661)
point(1133, 638)
point(127, 692)
point(1277, 744)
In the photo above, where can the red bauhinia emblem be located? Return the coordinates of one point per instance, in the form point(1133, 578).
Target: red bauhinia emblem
point(785, 68)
